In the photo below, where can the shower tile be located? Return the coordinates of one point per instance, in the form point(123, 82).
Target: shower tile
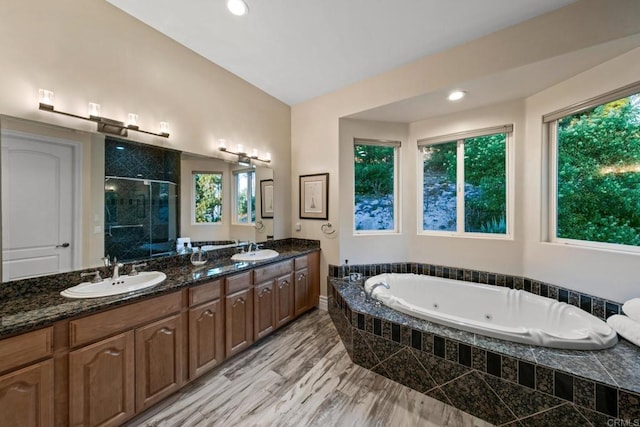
point(427, 342)
point(377, 326)
point(459, 274)
point(585, 303)
point(628, 406)
point(362, 353)
point(553, 292)
point(563, 415)
point(360, 321)
point(451, 350)
point(611, 309)
point(521, 400)
point(439, 346)
point(445, 272)
point(494, 364)
point(479, 359)
point(501, 280)
point(527, 285)
point(484, 277)
point(464, 354)
point(475, 276)
point(544, 290)
point(432, 270)
point(438, 271)
point(518, 283)
point(416, 339)
point(574, 298)
point(509, 282)
point(563, 295)
point(544, 380)
point(584, 393)
point(535, 287)
point(527, 374)
point(510, 369)
point(598, 308)
point(563, 386)
point(395, 332)
point(472, 394)
point(441, 370)
point(404, 368)
point(405, 335)
point(607, 400)
point(491, 279)
point(467, 276)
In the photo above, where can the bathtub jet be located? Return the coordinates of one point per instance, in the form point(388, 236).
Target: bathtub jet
point(503, 313)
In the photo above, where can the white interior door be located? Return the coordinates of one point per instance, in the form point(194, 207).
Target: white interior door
point(37, 206)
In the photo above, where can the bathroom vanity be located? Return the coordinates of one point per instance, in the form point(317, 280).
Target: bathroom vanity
point(101, 361)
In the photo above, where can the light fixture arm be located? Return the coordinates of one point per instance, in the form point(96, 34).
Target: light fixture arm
point(243, 156)
point(106, 125)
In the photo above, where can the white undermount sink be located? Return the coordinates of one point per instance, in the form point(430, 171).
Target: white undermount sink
point(121, 285)
point(259, 255)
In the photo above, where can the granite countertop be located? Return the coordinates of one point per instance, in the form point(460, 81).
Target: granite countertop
point(35, 303)
point(618, 366)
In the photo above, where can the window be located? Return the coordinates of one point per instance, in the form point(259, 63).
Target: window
point(464, 182)
point(245, 197)
point(376, 185)
point(595, 171)
point(207, 190)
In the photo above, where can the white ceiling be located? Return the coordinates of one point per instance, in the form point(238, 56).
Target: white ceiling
point(299, 49)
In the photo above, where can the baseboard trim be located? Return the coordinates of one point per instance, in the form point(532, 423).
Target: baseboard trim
point(324, 303)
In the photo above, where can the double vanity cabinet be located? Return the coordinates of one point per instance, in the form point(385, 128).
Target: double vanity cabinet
point(106, 367)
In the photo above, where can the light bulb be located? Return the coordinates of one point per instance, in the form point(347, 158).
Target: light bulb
point(94, 110)
point(240, 149)
point(46, 98)
point(254, 153)
point(222, 145)
point(132, 121)
point(237, 7)
point(164, 128)
point(456, 95)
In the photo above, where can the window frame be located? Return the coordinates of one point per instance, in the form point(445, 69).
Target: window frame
point(234, 195)
point(193, 198)
point(396, 145)
point(550, 133)
point(459, 138)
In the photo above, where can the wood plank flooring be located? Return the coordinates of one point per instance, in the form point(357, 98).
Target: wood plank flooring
point(300, 376)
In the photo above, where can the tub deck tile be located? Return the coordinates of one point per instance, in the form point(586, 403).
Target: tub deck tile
point(622, 362)
point(575, 362)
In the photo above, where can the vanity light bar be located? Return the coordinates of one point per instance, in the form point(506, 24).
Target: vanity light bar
point(105, 125)
point(241, 152)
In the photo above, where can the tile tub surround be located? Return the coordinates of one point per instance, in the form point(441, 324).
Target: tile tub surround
point(499, 381)
point(34, 303)
point(599, 307)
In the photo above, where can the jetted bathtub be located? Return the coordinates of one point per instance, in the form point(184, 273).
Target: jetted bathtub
point(498, 312)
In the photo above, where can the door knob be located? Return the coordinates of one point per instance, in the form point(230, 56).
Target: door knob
point(64, 245)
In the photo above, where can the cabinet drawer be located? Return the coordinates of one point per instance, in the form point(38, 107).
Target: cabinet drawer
point(99, 325)
point(25, 348)
point(272, 271)
point(300, 262)
point(238, 282)
point(204, 293)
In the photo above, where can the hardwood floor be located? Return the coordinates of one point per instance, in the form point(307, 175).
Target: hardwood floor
point(300, 376)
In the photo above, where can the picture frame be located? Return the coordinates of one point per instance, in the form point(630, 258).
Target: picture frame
point(266, 198)
point(314, 196)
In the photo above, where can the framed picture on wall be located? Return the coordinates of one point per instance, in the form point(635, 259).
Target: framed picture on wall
point(314, 196)
point(266, 198)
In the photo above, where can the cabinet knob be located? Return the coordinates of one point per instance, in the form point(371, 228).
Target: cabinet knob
point(283, 283)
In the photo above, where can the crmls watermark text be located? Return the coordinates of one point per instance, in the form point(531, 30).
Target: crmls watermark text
point(617, 422)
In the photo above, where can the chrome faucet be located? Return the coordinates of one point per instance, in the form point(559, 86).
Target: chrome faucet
point(116, 268)
point(375, 285)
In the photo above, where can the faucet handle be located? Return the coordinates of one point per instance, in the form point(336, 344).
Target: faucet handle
point(134, 268)
point(96, 276)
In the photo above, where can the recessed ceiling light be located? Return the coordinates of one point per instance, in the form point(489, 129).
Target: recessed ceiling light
point(456, 95)
point(237, 7)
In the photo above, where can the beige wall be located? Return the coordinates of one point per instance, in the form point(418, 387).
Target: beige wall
point(91, 51)
point(316, 137)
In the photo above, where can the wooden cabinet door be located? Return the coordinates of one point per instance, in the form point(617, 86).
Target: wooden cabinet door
point(26, 396)
point(206, 337)
point(159, 365)
point(301, 291)
point(101, 382)
point(264, 309)
point(238, 321)
point(284, 299)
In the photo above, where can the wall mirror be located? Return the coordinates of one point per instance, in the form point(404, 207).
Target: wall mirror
point(60, 210)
